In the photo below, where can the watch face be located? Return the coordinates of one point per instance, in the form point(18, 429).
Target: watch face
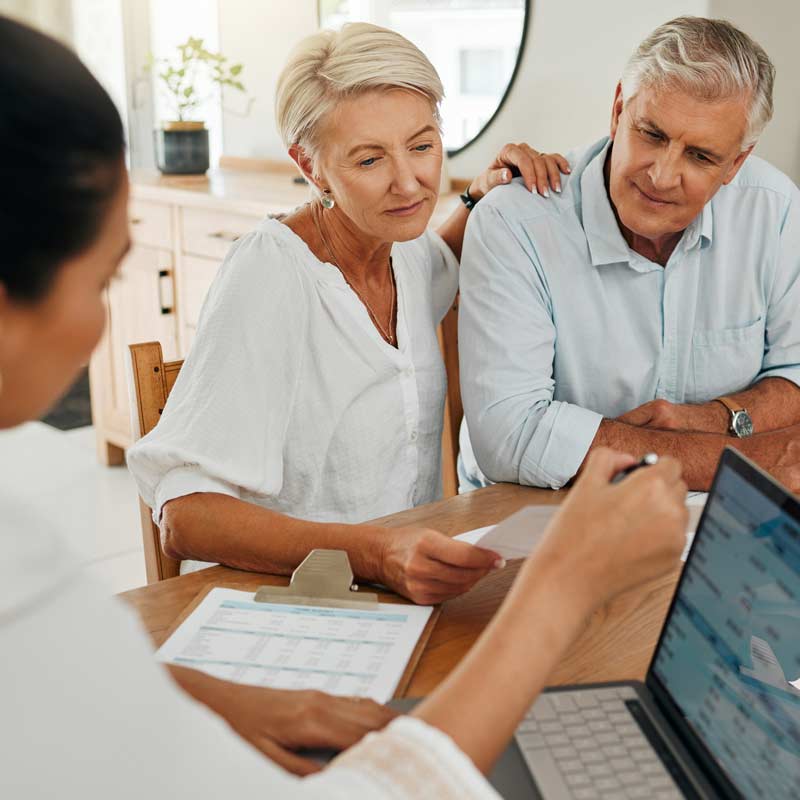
point(742, 424)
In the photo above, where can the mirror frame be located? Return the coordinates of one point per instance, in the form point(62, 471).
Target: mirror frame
point(509, 86)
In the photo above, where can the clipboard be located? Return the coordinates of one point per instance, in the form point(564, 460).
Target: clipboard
point(325, 578)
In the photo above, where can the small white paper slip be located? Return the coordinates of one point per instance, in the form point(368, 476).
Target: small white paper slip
point(343, 651)
point(696, 498)
point(517, 535)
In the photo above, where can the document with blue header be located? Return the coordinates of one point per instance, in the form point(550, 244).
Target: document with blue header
point(343, 651)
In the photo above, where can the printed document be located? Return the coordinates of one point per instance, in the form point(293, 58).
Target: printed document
point(343, 651)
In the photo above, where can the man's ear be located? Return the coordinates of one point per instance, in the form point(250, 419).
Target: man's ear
point(737, 165)
point(303, 161)
point(616, 110)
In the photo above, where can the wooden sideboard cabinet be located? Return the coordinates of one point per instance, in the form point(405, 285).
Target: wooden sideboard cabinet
point(181, 228)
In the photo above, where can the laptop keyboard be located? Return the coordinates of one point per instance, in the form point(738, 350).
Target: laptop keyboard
point(585, 744)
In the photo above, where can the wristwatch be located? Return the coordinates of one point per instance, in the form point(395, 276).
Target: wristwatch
point(467, 199)
point(741, 424)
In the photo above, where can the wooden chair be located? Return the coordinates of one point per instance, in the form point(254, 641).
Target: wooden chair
point(152, 379)
point(453, 410)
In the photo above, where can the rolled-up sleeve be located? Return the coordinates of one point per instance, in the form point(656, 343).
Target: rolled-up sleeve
point(506, 347)
point(782, 336)
point(224, 425)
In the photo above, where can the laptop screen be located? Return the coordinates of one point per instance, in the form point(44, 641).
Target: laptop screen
point(729, 654)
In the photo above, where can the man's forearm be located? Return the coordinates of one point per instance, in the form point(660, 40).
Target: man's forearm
point(697, 452)
point(772, 403)
point(777, 451)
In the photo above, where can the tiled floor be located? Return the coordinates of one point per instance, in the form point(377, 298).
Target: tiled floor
point(95, 505)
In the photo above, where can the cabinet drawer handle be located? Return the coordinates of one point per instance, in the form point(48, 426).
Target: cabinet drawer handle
point(227, 236)
point(166, 308)
point(136, 220)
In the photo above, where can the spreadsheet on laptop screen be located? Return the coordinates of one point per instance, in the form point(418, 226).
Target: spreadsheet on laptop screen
point(730, 654)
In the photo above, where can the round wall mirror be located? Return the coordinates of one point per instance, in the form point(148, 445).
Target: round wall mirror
point(475, 46)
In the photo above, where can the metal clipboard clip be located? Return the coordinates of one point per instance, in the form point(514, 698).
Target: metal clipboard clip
point(324, 578)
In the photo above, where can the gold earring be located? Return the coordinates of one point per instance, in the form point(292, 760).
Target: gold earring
point(327, 200)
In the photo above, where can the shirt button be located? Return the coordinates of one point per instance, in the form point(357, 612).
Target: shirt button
point(413, 436)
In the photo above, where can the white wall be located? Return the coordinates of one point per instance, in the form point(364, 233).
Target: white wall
point(562, 96)
point(260, 36)
point(573, 58)
point(54, 17)
point(775, 25)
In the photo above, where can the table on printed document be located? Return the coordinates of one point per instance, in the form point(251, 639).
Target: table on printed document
point(616, 645)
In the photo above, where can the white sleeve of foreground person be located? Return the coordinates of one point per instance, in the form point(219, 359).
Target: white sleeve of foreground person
point(87, 712)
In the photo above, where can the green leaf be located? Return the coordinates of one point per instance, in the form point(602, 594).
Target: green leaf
point(236, 69)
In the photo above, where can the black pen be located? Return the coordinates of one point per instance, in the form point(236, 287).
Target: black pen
point(646, 461)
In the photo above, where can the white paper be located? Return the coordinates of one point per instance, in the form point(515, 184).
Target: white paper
point(517, 535)
point(696, 498)
point(343, 651)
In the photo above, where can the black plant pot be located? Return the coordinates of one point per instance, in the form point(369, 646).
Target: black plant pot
point(182, 148)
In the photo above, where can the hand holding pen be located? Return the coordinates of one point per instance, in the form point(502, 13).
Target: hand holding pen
point(645, 461)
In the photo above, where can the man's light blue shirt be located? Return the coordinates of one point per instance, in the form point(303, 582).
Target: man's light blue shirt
point(561, 324)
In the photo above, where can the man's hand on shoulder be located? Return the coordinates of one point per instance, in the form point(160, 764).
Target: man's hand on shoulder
point(662, 415)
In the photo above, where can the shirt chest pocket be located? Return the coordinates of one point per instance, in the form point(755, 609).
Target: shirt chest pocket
point(726, 360)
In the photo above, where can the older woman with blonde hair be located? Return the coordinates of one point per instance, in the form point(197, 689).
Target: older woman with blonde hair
point(313, 396)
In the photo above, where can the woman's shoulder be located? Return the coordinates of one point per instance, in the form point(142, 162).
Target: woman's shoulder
point(427, 250)
point(270, 260)
point(418, 249)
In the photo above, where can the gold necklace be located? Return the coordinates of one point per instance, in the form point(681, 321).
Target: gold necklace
point(388, 336)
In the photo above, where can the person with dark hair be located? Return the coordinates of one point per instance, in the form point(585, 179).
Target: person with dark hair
point(86, 711)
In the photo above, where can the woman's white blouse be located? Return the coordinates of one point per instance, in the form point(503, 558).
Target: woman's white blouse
point(291, 399)
point(87, 712)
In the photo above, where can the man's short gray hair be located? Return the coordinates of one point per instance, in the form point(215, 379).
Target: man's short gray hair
point(709, 59)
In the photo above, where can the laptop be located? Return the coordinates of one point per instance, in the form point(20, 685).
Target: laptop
point(718, 715)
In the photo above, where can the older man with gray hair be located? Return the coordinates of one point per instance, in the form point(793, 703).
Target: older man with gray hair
point(654, 304)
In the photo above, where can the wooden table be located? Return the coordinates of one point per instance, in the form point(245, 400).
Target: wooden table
point(617, 644)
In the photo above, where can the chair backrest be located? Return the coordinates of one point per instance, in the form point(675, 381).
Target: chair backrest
point(453, 410)
point(152, 379)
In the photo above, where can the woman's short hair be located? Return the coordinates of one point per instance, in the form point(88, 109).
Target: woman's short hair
point(709, 59)
point(330, 65)
point(61, 158)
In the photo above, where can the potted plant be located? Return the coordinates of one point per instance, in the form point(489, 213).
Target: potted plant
point(182, 143)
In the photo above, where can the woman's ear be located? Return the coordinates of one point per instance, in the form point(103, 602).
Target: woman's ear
point(303, 161)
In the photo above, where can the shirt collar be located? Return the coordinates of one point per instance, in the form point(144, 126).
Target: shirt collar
point(606, 243)
point(701, 230)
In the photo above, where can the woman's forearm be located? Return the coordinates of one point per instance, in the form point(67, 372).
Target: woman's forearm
point(606, 539)
point(452, 229)
point(215, 527)
point(482, 701)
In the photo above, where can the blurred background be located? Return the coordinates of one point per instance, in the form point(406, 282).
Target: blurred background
point(567, 55)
